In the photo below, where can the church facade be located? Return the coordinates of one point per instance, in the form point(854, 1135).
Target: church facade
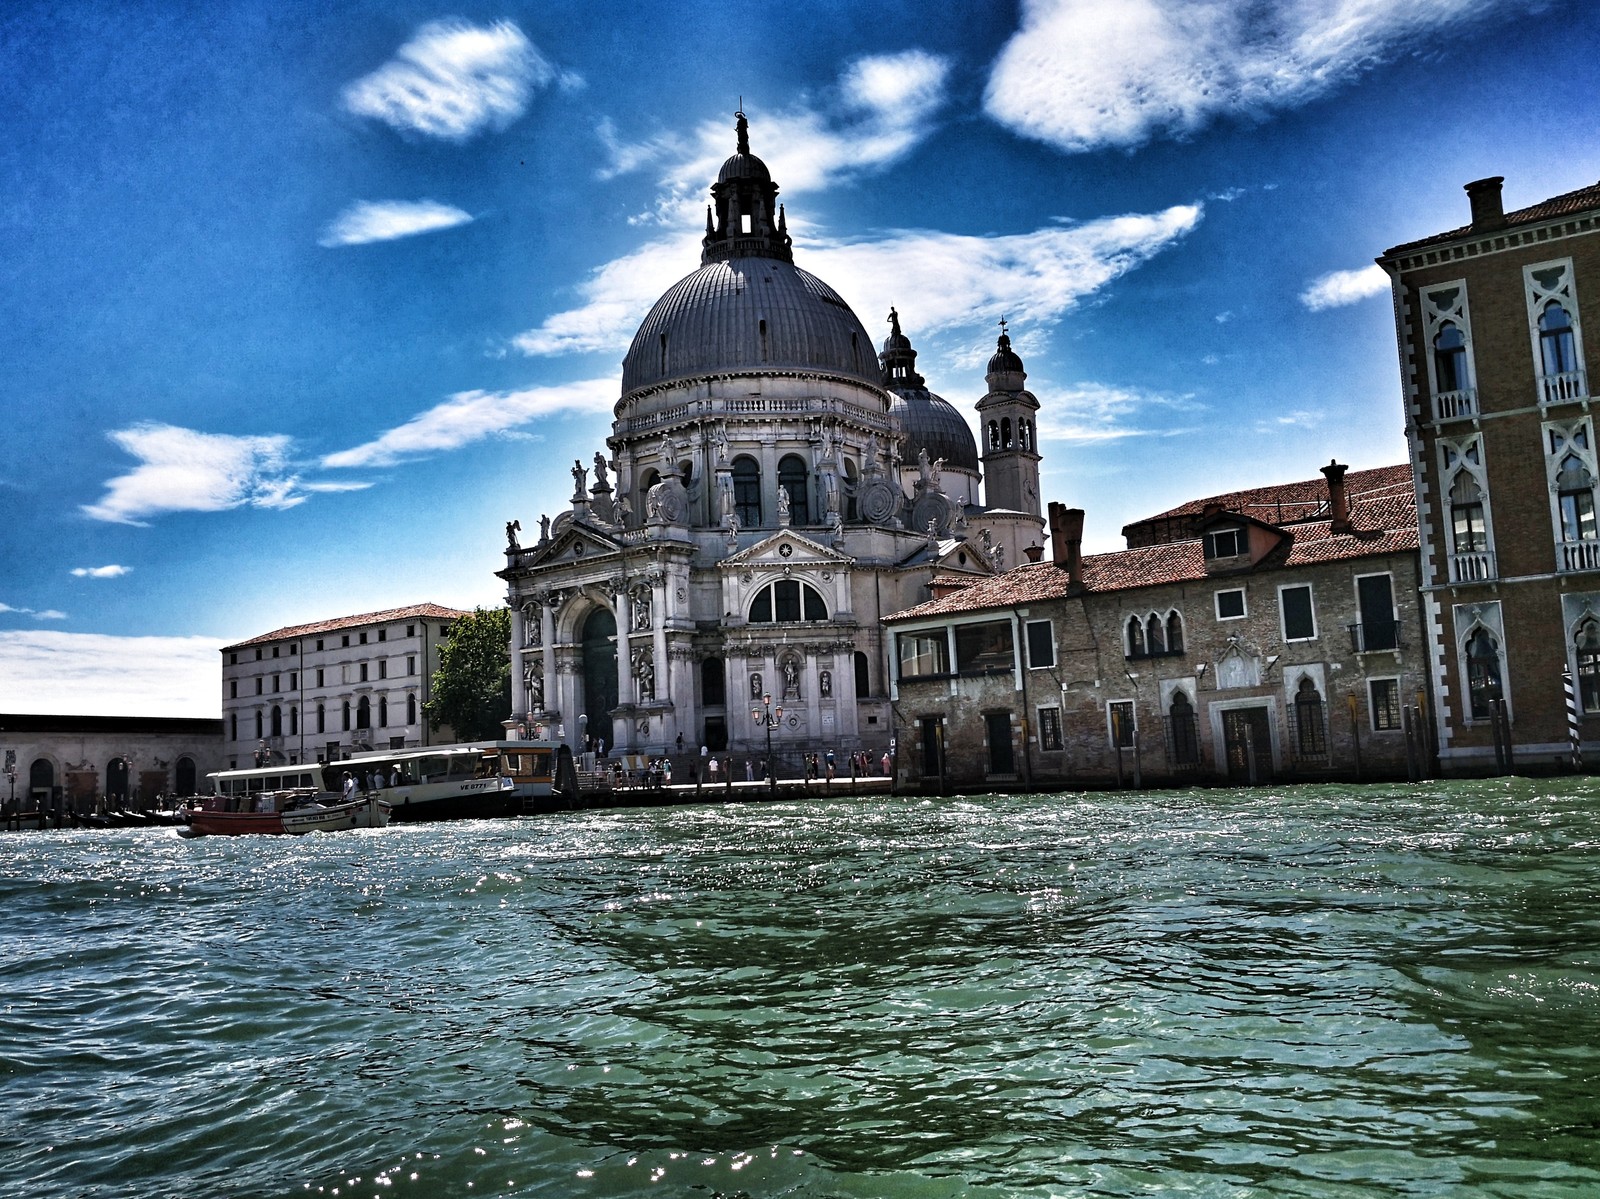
point(772, 488)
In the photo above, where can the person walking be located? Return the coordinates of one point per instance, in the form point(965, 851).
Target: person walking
point(885, 763)
point(830, 765)
point(749, 771)
point(711, 770)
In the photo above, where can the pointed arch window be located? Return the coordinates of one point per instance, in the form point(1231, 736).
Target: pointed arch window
point(1183, 734)
point(1174, 632)
point(1450, 358)
point(1575, 495)
point(1311, 730)
point(1469, 535)
point(1587, 651)
point(747, 491)
point(1135, 637)
point(1154, 639)
point(1557, 353)
point(1483, 673)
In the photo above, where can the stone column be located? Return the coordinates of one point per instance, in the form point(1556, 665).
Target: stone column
point(547, 625)
point(624, 613)
point(520, 707)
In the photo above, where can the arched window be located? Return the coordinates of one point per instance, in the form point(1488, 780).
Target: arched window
point(1587, 645)
point(322, 718)
point(1311, 734)
point(186, 776)
point(747, 491)
point(294, 722)
point(792, 475)
point(259, 730)
point(863, 682)
point(1135, 637)
point(1152, 635)
point(1182, 735)
point(346, 706)
point(277, 721)
point(42, 780)
point(1450, 358)
point(411, 709)
point(1575, 490)
point(1468, 533)
point(364, 713)
point(1005, 432)
point(233, 727)
point(1556, 349)
point(1483, 673)
point(787, 600)
point(1174, 632)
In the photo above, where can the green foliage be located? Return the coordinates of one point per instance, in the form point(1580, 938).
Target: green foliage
point(472, 687)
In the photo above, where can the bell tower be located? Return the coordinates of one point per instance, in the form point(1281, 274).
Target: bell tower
point(1010, 438)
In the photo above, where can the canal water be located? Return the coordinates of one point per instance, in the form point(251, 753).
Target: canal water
point(1311, 992)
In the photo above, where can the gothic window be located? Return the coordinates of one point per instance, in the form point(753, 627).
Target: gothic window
point(1575, 497)
point(1587, 646)
point(1556, 353)
point(1311, 734)
point(1468, 533)
point(1483, 673)
point(1450, 358)
point(1174, 632)
point(792, 473)
point(1135, 637)
point(747, 491)
point(1154, 640)
point(787, 600)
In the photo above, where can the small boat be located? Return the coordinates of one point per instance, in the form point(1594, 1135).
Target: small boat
point(294, 811)
point(367, 812)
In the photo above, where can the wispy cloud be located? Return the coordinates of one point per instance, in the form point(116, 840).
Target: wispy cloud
point(101, 572)
point(36, 613)
point(89, 674)
point(881, 108)
point(471, 416)
point(939, 281)
point(453, 80)
point(1338, 288)
point(1083, 74)
point(1100, 412)
point(183, 470)
point(384, 220)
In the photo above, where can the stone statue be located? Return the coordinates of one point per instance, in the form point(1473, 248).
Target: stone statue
point(922, 464)
point(641, 610)
point(600, 471)
point(513, 527)
point(644, 674)
point(791, 679)
point(719, 439)
point(755, 686)
point(624, 509)
point(580, 479)
point(873, 452)
point(544, 529)
point(533, 676)
point(783, 505)
point(724, 496)
point(935, 473)
point(825, 684)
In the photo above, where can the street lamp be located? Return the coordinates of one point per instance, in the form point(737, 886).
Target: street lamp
point(771, 718)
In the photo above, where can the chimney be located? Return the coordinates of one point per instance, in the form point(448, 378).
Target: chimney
point(1072, 530)
point(1034, 552)
point(1488, 212)
point(1338, 501)
point(1058, 533)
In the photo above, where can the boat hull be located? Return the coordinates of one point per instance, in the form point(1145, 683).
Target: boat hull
point(233, 824)
point(370, 812)
point(477, 799)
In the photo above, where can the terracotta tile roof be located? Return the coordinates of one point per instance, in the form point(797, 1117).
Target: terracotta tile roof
point(1383, 517)
point(413, 612)
point(1581, 200)
point(1283, 503)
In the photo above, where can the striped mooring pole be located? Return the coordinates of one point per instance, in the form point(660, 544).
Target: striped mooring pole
point(1572, 718)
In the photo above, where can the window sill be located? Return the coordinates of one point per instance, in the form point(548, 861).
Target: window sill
point(1166, 653)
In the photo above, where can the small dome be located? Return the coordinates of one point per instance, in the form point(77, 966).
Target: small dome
point(744, 166)
point(931, 422)
point(1005, 360)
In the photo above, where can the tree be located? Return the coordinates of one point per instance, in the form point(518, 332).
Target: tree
point(472, 687)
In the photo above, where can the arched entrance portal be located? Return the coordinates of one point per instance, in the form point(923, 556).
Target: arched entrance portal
point(186, 779)
point(41, 782)
point(599, 657)
point(117, 779)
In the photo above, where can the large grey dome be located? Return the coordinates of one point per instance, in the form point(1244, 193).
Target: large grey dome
point(747, 314)
point(931, 422)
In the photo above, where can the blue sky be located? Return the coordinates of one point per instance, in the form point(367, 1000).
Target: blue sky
point(300, 306)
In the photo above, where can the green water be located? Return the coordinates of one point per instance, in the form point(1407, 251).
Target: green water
point(1318, 992)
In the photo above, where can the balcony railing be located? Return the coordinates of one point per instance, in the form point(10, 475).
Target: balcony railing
point(1374, 636)
point(1455, 405)
point(1559, 389)
point(1477, 567)
point(1579, 555)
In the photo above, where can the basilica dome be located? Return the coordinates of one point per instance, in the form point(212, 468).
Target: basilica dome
point(748, 313)
point(927, 421)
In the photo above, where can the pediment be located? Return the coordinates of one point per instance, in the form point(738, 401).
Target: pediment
point(953, 554)
point(574, 544)
point(786, 548)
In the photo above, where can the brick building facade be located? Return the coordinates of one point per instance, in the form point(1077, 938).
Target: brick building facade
point(1490, 324)
point(1266, 634)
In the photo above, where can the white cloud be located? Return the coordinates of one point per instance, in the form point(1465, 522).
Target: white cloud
point(1099, 412)
point(939, 281)
point(1084, 74)
point(384, 220)
point(183, 470)
point(36, 613)
point(452, 80)
point(470, 416)
point(1338, 288)
point(101, 572)
point(881, 109)
point(90, 674)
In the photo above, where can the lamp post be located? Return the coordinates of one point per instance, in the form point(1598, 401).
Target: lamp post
point(770, 717)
